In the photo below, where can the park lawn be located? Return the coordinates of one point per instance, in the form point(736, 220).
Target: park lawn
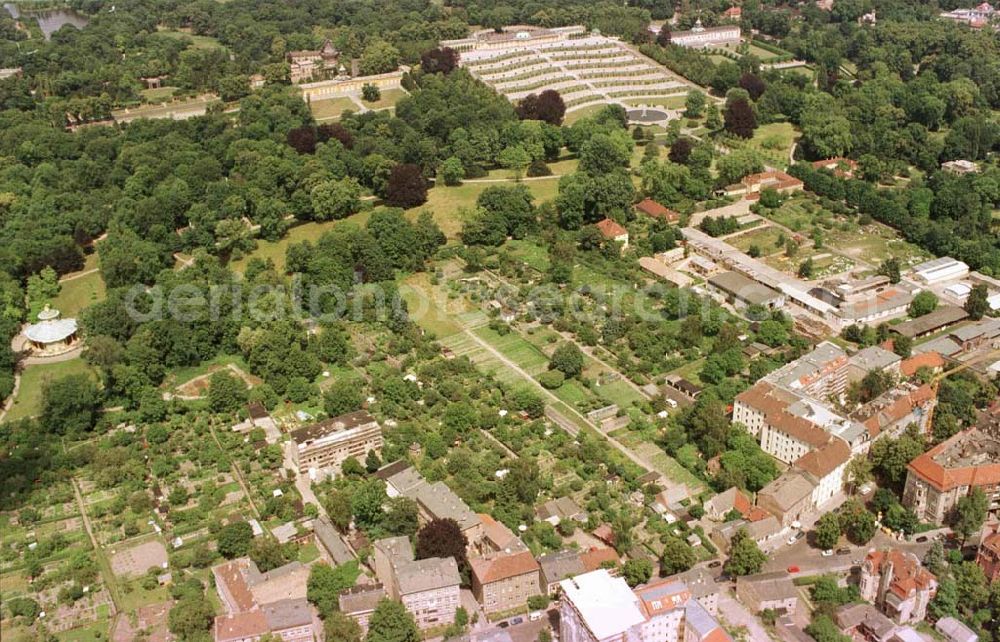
point(446, 203)
point(199, 42)
point(28, 402)
point(533, 255)
point(565, 165)
point(583, 112)
point(775, 141)
point(275, 250)
point(388, 99)
point(79, 293)
point(180, 376)
point(668, 102)
point(430, 307)
point(331, 108)
point(159, 95)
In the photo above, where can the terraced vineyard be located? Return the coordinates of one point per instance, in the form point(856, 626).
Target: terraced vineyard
point(590, 71)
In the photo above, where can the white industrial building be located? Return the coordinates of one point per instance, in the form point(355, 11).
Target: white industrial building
point(940, 270)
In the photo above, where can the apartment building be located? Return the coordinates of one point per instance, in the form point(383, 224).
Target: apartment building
point(897, 584)
point(504, 581)
point(597, 607)
point(434, 501)
point(325, 445)
point(258, 604)
point(428, 588)
point(937, 479)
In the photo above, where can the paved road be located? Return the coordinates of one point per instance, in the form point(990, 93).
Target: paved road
point(811, 561)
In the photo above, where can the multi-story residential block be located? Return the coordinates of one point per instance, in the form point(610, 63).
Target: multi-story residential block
point(937, 479)
point(597, 607)
point(326, 444)
point(428, 588)
point(504, 581)
point(434, 501)
point(896, 583)
point(258, 603)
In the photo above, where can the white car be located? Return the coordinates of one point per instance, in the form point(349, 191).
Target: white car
point(534, 617)
point(828, 552)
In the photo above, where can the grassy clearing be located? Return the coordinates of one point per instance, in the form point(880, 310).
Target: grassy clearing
point(669, 102)
point(430, 308)
point(80, 292)
point(388, 99)
point(159, 95)
point(664, 463)
point(331, 108)
point(583, 112)
point(275, 250)
point(446, 202)
point(775, 142)
point(765, 238)
point(198, 42)
point(875, 243)
point(28, 402)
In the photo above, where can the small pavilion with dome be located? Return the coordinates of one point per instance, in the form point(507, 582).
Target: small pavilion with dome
point(52, 334)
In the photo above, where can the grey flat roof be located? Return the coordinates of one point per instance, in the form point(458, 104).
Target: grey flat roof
point(943, 316)
point(427, 575)
point(744, 288)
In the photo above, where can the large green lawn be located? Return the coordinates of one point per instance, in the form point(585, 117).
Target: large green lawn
point(28, 402)
point(275, 250)
point(78, 293)
point(332, 108)
point(447, 203)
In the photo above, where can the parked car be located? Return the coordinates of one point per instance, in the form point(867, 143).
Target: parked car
point(921, 539)
point(796, 537)
point(793, 569)
point(535, 616)
point(504, 624)
point(827, 553)
point(516, 621)
point(715, 564)
point(843, 551)
point(865, 489)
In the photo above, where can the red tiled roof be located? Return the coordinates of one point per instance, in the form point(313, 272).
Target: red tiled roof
point(503, 567)
point(655, 600)
point(757, 514)
point(837, 164)
point(231, 574)
point(944, 479)
point(824, 460)
point(611, 229)
point(898, 409)
point(651, 208)
point(593, 558)
point(764, 398)
point(741, 503)
point(907, 573)
point(733, 12)
point(932, 360)
point(775, 179)
point(241, 626)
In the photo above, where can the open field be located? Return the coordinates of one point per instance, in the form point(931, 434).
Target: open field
point(764, 237)
point(28, 401)
point(583, 112)
point(77, 293)
point(389, 99)
point(200, 42)
point(445, 202)
point(669, 102)
point(655, 455)
point(158, 95)
point(876, 242)
point(430, 308)
point(331, 108)
point(775, 142)
point(275, 250)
